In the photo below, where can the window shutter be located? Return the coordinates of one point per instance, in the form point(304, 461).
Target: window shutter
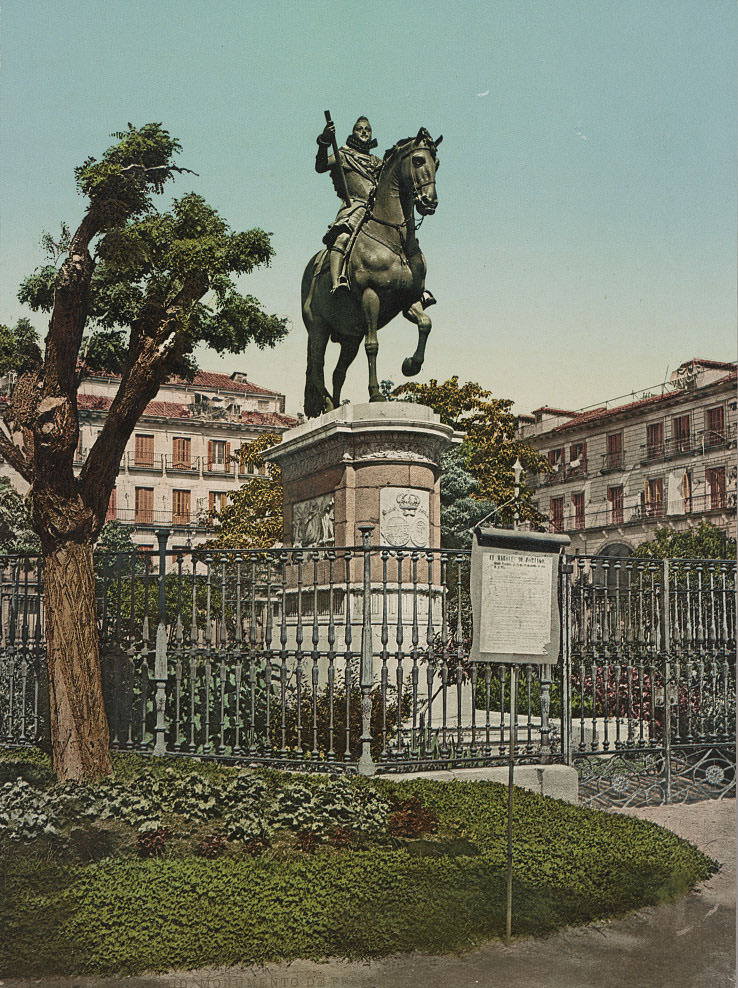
point(211, 501)
point(111, 512)
point(210, 454)
point(227, 465)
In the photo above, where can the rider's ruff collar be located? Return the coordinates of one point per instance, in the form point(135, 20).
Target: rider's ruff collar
point(355, 144)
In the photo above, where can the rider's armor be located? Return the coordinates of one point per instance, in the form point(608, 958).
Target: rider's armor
point(361, 171)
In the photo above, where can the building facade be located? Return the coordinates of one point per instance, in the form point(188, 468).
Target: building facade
point(665, 459)
point(180, 463)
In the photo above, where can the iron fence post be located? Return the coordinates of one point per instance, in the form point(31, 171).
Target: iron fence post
point(666, 642)
point(566, 569)
point(366, 675)
point(160, 655)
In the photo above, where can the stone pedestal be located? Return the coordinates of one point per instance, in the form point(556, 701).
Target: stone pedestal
point(376, 463)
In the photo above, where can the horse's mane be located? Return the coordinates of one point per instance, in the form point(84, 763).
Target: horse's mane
point(390, 153)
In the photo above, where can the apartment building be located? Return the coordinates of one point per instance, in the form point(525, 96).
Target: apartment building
point(179, 464)
point(621, 469)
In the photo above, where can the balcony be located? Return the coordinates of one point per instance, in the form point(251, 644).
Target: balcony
point(219, 469)
point(701, 442)
point(612, 462)
point(150, 464)
point(179, 465)
point(195, 520)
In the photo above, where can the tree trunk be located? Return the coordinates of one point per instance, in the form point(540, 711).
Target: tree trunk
point(80, 737)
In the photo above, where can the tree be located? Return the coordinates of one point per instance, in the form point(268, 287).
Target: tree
point(19, 349)
point(460, 509)
point(704, 542)
point(253, 519)
point(490, 446)
point(155, 284)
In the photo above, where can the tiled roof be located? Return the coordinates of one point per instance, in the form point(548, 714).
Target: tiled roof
point(604, 413)
point(268, 418)
point(714, 364)
point(204, 379)
point(546, 409)
point(176, 410)
point(211, 379)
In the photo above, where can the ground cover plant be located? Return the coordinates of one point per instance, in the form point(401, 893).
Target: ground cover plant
point(183, 864)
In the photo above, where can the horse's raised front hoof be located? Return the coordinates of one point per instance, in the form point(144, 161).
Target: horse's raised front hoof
point(410, 366)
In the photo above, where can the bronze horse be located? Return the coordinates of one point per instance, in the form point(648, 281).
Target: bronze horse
point(386, 272)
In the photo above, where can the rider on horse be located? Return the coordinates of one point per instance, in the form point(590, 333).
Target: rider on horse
point(361, 172)
point(360, 169)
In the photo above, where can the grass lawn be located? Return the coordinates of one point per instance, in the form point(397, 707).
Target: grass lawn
point(180, 864)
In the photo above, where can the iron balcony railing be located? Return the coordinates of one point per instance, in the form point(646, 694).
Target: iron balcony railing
point(658, 512)
point(156, 519)
point(148, 464)
point(700, 442)
point(612, 461)
point(181, 464)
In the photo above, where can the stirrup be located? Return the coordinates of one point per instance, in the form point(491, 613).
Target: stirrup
point(426, 299)
point(342, 285)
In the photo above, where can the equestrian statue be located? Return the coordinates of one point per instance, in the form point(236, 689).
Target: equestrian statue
point(371, 267)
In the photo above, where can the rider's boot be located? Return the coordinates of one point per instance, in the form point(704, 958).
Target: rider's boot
point(427, 299)
point(339, 280)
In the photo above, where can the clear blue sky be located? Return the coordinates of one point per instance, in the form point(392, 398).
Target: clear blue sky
point(586, 234)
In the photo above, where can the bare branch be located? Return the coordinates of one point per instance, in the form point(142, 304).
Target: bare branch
point(158, 168)
point(15, 456)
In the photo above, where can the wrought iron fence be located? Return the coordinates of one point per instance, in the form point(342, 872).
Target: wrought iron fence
point(358, 658)
point(652, 676)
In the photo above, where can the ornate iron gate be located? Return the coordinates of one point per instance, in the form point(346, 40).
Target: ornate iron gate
point(649, 660)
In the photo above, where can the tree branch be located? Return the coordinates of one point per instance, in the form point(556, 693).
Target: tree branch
point(15, 456)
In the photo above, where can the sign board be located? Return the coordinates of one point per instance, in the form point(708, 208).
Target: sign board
point(514, 591)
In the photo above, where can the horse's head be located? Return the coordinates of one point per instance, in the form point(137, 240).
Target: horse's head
point(418, 166)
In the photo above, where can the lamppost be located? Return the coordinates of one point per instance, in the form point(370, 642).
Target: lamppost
point(518, 471)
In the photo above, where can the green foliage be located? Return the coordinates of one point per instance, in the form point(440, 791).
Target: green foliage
point(312, 894)
point(253, 518)
point(460, 509)
point(19, 349)
point(177, 266)
point(16, 534)
point(490, 447)
point(705, 542)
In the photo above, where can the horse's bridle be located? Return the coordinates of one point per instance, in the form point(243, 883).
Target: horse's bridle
point(425, 145)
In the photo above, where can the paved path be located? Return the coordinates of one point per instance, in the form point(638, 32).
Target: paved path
point(690, 944)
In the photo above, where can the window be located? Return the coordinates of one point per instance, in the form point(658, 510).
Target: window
point(654, 491)
point(181, 453)
point(110, 514)
point(655, 441)
point(577, 459)
point(715, 422)
point(680, 433)
point(614, 455)
point(147, 551)
point(180, 507)
point(144, 505)
point(715, 479)
point(219, 456)
point(144, 451)
point(217, 500)
point(615, 502)
point(577, 503)
point(556, 461)
point(556, 514)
